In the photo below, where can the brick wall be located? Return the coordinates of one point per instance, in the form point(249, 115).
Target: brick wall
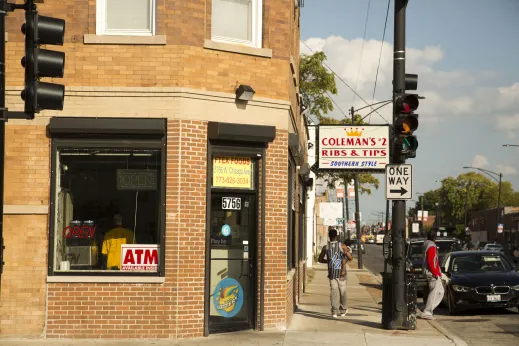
point(181, 62)
point(22, 308)
point(170, 310)
point(186, 216)
point(22, 311)
point(289, 309)
point(276, 228)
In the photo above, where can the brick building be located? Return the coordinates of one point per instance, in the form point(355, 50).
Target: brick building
point(157, 204)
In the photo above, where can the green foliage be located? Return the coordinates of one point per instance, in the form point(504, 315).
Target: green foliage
point(468, 191)
point(315, 82)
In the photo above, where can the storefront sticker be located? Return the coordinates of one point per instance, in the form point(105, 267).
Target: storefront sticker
point(139, 257)
point(226, 230)
point(232, 172)
point(228, 297)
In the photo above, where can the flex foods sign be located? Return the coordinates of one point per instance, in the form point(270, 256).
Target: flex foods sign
point(357, 148)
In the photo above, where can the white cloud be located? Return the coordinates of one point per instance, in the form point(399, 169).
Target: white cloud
point(479, 161)
point(506, 170)
point(447, 93)
point(344, 56)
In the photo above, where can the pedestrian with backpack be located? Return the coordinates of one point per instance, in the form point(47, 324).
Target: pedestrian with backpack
point(336, 254)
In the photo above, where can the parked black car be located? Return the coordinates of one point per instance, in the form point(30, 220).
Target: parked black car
point(479, 279)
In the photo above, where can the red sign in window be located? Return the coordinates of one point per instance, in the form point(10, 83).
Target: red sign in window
point(139, 257)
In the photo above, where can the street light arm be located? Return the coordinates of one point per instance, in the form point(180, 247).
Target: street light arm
point(500, 175)
point(385, 104)
point(356, 110)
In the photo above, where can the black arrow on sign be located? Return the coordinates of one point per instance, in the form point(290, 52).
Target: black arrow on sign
point(402, 191)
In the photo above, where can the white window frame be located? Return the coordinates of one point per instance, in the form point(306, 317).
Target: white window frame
point(257, 28)
point(101, 22)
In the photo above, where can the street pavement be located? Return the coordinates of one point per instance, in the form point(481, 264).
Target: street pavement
point(476, 328)
point(312, 323)
point(373, 259)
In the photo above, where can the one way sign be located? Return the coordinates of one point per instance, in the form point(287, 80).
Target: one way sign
point(399, 181)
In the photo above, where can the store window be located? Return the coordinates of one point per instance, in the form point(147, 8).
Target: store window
point(125, 17)
point(107, 208)
point(237, 21)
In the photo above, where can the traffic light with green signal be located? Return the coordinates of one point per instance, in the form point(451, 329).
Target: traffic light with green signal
point(39, 62)
point(406, 122)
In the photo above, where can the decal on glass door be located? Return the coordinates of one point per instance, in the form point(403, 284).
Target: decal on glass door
point(228, 297)
point(231, 203)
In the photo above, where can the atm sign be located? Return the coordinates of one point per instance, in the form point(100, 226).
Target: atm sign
point(139, 257)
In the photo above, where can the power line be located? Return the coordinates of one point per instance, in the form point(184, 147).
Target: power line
point(362, 48)
point(336, 105)
point(342, 80)
point(380, 56)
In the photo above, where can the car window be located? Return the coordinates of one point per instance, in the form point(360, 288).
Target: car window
point(444, 247)
point(445, 263)
point(477, 263)
point(416, 250)
point(493, 247)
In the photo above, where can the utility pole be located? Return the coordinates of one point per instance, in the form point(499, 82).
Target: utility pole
point(399, 307)
point(357, 205)
point(387, 230)
point(3, 13)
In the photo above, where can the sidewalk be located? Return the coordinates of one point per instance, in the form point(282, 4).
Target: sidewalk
point(311, 324)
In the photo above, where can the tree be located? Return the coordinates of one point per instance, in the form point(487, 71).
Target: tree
point(316, 83)
point(467, 192)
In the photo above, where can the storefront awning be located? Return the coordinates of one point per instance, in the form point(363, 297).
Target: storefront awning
point(241, 132)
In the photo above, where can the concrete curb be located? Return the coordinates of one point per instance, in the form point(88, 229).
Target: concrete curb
point(450, 335)
point(446, 332)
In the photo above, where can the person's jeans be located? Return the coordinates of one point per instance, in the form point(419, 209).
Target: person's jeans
point(338, 295)
point(435, 295)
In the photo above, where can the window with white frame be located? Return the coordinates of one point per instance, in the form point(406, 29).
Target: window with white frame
point(237, 21)
point(125, 17)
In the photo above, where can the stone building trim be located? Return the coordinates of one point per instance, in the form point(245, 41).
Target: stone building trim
point(240, 49)
point(123, 40)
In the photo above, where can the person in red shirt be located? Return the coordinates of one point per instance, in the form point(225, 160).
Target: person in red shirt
point(433, 274)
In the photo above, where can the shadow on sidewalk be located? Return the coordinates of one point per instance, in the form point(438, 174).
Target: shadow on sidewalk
point(367, 308)
point(324, 316)
point(377, 286)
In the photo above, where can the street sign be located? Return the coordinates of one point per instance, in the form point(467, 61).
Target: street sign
point(500, 228)
point(399, 181)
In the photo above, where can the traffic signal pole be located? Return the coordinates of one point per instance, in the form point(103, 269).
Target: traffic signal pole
point(399, 315)
point(3, 13)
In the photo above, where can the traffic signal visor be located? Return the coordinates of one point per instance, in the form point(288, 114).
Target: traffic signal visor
point(407, 103)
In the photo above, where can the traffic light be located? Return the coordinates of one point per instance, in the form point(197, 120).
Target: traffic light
point(406, 122)
point(39, 62)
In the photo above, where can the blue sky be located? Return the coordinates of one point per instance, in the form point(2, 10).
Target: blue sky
point(466, 54)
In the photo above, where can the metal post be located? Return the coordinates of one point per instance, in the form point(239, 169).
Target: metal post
point(399, 313)
point(346, 202)
point(2, 127)
point(344, 210)
point(466, 206)
point(387, 230)
point(357, 221)
point(499, 211)
point(357, 205)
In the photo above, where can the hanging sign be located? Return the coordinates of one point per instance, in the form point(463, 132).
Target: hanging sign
point(357, 148)
point(232, 172)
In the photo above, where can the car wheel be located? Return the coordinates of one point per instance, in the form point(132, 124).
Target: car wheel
point(453, 310)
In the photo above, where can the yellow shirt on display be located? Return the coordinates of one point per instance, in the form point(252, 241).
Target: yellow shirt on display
point(112, 245)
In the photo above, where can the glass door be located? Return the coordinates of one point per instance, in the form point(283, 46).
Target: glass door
point(232, 267)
